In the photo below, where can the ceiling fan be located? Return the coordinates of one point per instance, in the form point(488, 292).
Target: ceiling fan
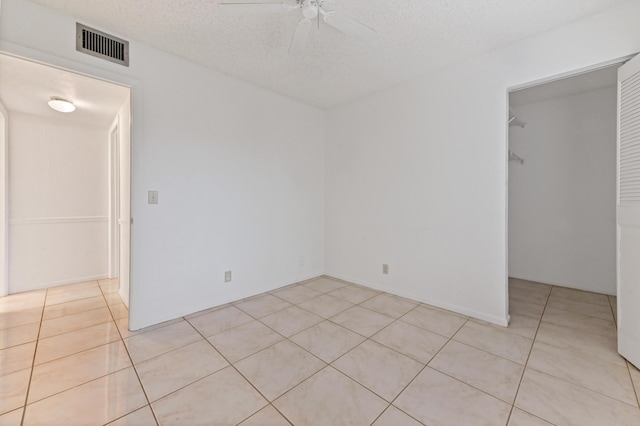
point(311, 9)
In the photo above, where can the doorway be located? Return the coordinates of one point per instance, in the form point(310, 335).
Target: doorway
point(562, 182)
point(61, 192)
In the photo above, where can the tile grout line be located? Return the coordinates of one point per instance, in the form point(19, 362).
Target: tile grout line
point(237, 371)
point(422, 369)
point(524, 370)
point(636, 388)
point(33, 361)
point(132, 363)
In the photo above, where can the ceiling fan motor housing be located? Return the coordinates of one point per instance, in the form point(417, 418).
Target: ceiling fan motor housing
point(310, 9)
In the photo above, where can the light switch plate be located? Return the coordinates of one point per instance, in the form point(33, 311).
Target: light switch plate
point(153, 197)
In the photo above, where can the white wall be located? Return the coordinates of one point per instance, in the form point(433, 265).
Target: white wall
point(58, 193)
point(562, 211)
point(239, 171)
point(416, 175)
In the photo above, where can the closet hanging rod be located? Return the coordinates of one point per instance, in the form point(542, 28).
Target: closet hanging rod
point(515, 121)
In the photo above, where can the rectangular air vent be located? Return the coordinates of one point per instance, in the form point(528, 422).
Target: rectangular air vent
point(102, 45)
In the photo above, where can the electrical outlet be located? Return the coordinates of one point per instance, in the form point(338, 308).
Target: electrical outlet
point(385, 269)
point(227, 276)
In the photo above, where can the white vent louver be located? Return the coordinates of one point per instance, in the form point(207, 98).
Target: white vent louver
point(630, 141)
point(102, 45)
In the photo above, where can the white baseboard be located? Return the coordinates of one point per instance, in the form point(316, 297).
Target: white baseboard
point(74, 280)
point(504, 322)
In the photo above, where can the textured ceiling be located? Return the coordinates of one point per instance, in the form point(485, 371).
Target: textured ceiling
point(413, 37)
point(27, 87)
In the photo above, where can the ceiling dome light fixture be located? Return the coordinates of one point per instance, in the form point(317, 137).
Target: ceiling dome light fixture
point(61, 105)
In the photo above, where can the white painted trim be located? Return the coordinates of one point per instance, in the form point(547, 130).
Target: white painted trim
point(114, 198)
point(57, 220)
point(4, 203)
point(75, 280)
point(504, 322)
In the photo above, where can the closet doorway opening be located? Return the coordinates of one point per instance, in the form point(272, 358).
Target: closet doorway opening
point(562, 190)
point(67, 184)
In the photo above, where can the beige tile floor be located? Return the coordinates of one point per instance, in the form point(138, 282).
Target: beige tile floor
point(322, 352)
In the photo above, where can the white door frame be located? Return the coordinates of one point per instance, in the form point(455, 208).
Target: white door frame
point(135, 86)
point(527, 85)
point(114, 200)
point(4, 201)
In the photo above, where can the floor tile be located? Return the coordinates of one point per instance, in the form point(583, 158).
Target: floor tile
point(614, 307)
point(73, 322)
point(22, 301)
point(362, 321)
point(13, 390)
point(327, 340)
point(72, 292)
point(141, 417)
point(264, 305)
point(119, 311)
point(97, 402)
point(522, 325)
point(390, 305)
point(291, 321)
point(297, 294)
point(492, 374)
point(563, 403)
point(589, 309)
point(326, 306)
point(109, 286)
point(244, 340)
point(207, 311)
point(268, 416)
point(436, 320)
point(580, 322)
point(527, 291)
point(12, 418)
point(292, 364)
point(354, 294)
point(378, 368)
point(325, 285)
point(498, 342)
point(171, 371)
point(159, 341)
point(19, 335)
point(434, 398)
point(16, 358)
point(569, 365)
point(635, 378)
point(579, 295)
point(591, 346)
point(75, 341)
point(330, 398)
point(522, 418)
point(410, 340)
point(220, 320)
point(82, 305)
point(223, 398)
point(394, 417)
point(123, 327)
point(112, 298)
point(64, 373)
point(520, 307)
point(17, 318)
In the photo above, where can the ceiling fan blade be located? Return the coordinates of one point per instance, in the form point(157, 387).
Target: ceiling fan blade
point(299, 40)
point(348, 25)
point(253, 8)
